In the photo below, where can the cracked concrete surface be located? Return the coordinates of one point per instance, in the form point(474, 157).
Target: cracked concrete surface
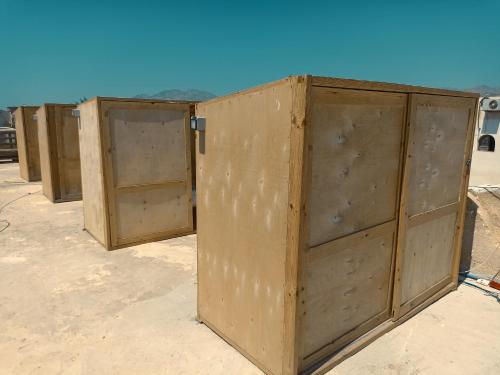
point(67, 306)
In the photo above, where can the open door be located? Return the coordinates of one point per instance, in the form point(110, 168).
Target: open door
point(147, 149)
point(431, 211)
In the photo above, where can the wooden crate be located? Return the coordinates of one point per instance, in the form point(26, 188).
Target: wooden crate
point(329, 211)
point(27, 143)
point(136, 169)
point(59, 152)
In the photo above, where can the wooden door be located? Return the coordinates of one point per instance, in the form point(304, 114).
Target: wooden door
point(433, 193)
point(68, 154)
point(147, 169)
point(357, 145)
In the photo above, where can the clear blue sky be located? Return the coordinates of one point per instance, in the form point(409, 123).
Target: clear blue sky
point(57, 51)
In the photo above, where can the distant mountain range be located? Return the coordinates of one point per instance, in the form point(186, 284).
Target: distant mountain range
point(175, 94)
point(485, 90)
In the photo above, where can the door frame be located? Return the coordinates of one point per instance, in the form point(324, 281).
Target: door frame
point(405, 220)
point(111, 190)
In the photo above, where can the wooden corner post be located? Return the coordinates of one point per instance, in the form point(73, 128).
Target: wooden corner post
point(296, 234)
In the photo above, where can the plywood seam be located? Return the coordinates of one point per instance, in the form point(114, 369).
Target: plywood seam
point(423, 217)
point(161, 234)
point(373, 228)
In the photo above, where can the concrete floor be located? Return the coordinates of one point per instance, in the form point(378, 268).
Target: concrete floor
point(69, 307)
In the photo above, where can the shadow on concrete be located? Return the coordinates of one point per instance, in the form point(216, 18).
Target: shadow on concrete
point(468, 236)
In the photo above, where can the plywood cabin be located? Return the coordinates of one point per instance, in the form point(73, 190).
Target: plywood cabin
point(136, 169)
point(59, 152)
point(27, 143)
point(329, 211)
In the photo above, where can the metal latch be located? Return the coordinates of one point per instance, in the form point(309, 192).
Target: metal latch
point(198, 123)
point(35, 118)
point(76, 113)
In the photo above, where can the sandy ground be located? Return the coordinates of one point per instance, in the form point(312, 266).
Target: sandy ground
point(481, 241)
point(69, 307)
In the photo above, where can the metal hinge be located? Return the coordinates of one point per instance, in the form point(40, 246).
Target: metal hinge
point(35, 118)
point(198, 123)
point(468, 163)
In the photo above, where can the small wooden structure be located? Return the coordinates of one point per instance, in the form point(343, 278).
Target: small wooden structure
point(59, 152)
point(27, 143)
point(8, 145)
point(136, 169)
point(329, 211)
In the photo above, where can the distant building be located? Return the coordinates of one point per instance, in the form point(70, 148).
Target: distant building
point(5, 118)
point(486, 150)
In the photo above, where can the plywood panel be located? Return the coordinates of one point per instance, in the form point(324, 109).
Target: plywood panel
point(147, 145)
point(433, 186)
point(428, 254)
point(31, 133)
point(27, 143)
point(44, 142)
point(147, 165)
point(68, 153)
point(356, 141)
point(347, 285)
point(94, 204)
point(242, 186)
point(21, 144)
point(439, 143)
point(152, 210)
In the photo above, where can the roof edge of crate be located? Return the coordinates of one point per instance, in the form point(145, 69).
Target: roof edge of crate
point(27, 107)
point(249, 90)
point(348, 83)
point(140, 100)
point(59, 104)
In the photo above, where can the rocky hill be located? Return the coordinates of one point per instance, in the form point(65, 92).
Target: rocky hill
point(176, 94)
point(485, 90)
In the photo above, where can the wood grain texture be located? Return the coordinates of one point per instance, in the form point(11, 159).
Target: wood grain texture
point(91, 159)
point(297, 224)
point(27, 143)
point(428, 254)
point(148, 159)
point(357, 139)
point(433, 191)
point(68, 153)
point(439, 142)
point(243, 171)
point(44, 142)
point(347, 285)
point(59, 152)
